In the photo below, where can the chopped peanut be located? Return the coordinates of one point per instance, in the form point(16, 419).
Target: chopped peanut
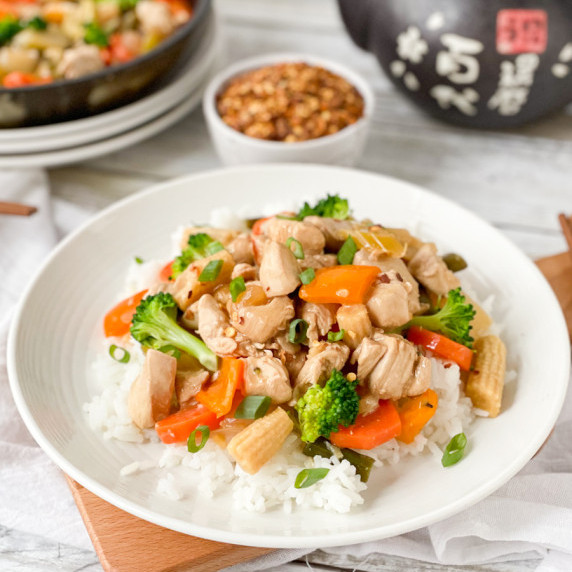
point(485, 382)
point(259, 442)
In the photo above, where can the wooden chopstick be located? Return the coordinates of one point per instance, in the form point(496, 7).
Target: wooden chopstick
point(16, 209)
point(566, 224)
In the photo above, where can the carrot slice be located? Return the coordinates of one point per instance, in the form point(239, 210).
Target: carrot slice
point(441, 346)
point(166, 271)
point(21, 79)
point(177, 427)
point(415, 413)
point(371, 430)
point(218, 397)
point(118, 320)
point(346, 284)
point(257, 226)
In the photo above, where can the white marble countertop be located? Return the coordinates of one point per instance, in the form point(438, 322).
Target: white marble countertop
point(516, 180)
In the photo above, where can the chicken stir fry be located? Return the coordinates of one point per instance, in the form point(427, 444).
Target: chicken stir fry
point(45, 40)
point(312, 322)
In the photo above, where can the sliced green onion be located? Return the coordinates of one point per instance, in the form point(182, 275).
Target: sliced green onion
point(336, 336)
point(297, 331)
point(213, 248)
point(347, 251)
point(253, 407)
point(307, 276)
point(139, 260)
point(122, 357)
point(192, 445)
point(308, 477)
point(298, 251)
point(455, 450)
point(237, 287)
point(211, 271)
point(171, 350)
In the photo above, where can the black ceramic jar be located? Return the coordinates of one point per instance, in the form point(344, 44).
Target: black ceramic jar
point(471, 62)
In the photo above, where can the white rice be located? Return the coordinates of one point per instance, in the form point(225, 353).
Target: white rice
point(273, 485)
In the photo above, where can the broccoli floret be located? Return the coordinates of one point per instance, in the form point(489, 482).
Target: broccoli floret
point(95, 34)
point(154, 325)
point(9, 27)
point(322, 410)
point(333, 206)
point(199, 246)
point(452, 320)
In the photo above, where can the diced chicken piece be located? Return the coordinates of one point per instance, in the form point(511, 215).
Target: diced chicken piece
point(223, 235)
point(18, 59)
point(280, 230)
point(421, 376)
point(41, 39)
point(247, 271)
point(260, 323)
point(334, 231)
point(279, 270)
point(107, 11)
point(366, 257)
point(259, 242)
point(188, 383)
point(428, 267)
point(267, 376)
point(214, 326)
point(223, 297)
point(368, 404)
point(367, 356)
point(295, 362)
point(392, 367)
point(187, 288)
point(80, 61)
point(316, 261)
point(151, 393)
point(291, 355)
point(241, 249)
point(355, 322)
point(322, 359)
point(155, 17)
point(320, 318)
point(387, 302)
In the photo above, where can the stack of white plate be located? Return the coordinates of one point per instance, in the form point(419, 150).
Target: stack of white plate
point(72, 141)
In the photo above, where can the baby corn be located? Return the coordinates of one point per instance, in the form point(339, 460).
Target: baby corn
point(485, 382)
point(260, 441)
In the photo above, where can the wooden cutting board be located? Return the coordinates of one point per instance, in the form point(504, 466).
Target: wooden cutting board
point(125, 543)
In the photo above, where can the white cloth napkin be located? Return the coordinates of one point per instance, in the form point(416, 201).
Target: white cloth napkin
point(530, 517)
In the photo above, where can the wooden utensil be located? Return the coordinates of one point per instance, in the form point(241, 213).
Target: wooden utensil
point(16, 209)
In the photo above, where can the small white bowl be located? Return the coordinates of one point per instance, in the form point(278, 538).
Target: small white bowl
point(234, 148)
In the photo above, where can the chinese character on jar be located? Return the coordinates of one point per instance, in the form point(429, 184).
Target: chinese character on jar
point(458, 63)
point(514, 84)
point(447, 97)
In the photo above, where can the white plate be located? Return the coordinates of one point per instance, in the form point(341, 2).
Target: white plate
point(57, 328)
point(50, 138)
point(110, 145)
